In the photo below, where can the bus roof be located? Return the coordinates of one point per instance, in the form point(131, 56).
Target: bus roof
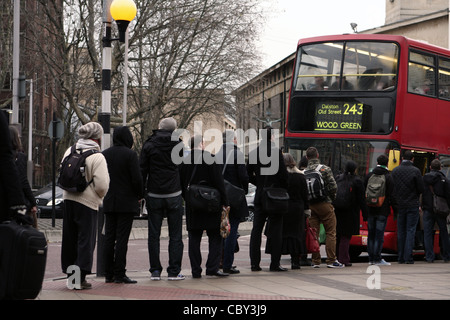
point(402, 40)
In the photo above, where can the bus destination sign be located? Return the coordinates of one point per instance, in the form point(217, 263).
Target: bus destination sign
point(339, 116)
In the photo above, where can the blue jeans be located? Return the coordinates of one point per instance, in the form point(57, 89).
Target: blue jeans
point(406, 231)
point(230, 243)
point(429, 219)
point(173, 209)
point(376, 225)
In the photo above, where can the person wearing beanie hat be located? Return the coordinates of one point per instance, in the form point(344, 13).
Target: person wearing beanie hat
point(81, 208)
point(91, 130)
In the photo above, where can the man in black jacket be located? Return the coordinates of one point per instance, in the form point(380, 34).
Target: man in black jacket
point(235, 172)
point(207, 172)
point(121, 203)
point(276, 174)
point(435, 181)
point(408, 188)
point(162, 181)
point(377, 218)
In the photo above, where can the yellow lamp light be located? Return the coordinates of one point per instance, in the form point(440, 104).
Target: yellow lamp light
point(123, 11)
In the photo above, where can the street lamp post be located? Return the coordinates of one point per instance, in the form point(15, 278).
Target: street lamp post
point(122, 11)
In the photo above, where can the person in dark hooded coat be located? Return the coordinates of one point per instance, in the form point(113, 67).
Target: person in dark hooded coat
point(435, 181)
point(348, 218)
point(121, 203)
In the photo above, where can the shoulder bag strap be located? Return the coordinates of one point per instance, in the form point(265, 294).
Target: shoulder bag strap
point(226, 160)
point(192, 175)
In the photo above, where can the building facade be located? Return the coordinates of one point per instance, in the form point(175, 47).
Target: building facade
point(34, 38)
point(264, 99)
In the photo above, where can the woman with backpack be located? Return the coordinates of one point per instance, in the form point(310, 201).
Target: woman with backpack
point(379, 212)
point(347, 205)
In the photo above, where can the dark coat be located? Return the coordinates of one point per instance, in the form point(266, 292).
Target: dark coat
point(235, 173)
point(21, 163)
point(408, 185)
point(159, 172)
point(294, 219)
point(441, 187)
point(390, 200)
point(255, 165)
point(125, 186)
point(208, 174)
point(348, 219)
point(10, 188)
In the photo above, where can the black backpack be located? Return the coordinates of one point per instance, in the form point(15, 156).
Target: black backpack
point(315, 185)
point(72, 176)
point(344, 194)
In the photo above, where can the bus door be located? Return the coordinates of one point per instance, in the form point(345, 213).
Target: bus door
point(422, 160)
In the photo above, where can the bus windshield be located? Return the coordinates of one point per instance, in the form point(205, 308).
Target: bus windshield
point(336, 152)
point(347, 66)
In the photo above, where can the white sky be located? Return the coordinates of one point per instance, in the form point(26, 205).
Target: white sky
point(290, 20)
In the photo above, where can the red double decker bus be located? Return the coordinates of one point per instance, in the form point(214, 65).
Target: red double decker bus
point(357, 96)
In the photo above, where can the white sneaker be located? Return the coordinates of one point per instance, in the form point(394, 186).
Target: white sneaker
point(315, 266)
point(175, 278)
point(382, 262)
point(156, 275)
point(335, 264)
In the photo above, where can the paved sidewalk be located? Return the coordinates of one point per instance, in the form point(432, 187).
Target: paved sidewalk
point(419, 281)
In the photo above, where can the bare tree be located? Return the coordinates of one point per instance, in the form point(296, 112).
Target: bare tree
point(185, 57)
point(6, 50)
point(188, 55)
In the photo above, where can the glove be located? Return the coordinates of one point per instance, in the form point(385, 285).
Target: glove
point(18, 213)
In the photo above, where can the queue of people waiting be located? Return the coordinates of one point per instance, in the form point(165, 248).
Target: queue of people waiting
point(336, 204)
point(307, 194)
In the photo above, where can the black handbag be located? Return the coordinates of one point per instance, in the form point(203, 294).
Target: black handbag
point(275, 200)
point(235, 195)
point(203, 198)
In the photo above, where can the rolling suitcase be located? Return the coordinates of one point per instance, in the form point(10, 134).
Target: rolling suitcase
point(23, 256)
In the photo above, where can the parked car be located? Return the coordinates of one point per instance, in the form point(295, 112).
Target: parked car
point(44, 202)
point(250, 197)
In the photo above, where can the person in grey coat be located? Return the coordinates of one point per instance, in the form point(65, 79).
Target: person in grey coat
point(408, 188)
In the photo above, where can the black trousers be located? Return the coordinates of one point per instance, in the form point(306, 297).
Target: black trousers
point(79, 236)
point(275, 233)
point(214, 251)
point(117, 232)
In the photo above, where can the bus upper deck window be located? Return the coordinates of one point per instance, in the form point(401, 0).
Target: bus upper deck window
point(349, 66)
